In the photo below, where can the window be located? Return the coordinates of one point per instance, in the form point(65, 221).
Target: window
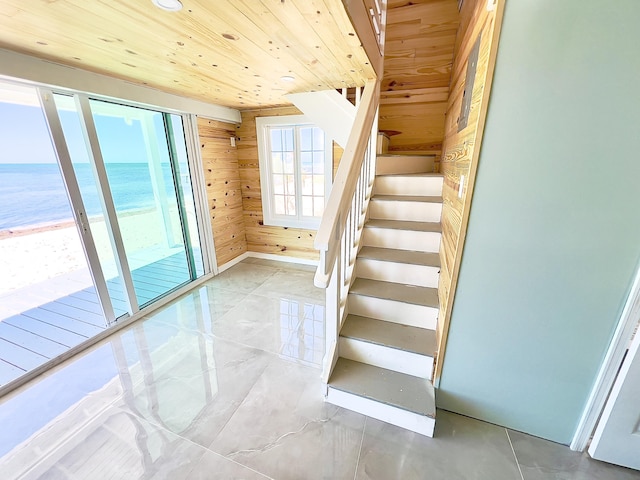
point(295, 170)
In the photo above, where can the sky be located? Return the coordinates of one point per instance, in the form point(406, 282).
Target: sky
point(24, 137)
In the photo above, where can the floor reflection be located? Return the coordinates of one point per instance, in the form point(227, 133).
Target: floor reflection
point(302, 330)
point(180, 373)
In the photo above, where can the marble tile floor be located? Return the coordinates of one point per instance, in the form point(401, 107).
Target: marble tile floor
point(224, 383)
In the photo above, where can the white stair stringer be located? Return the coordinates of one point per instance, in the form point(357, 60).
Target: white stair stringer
point(387, 343)
point(329, 110)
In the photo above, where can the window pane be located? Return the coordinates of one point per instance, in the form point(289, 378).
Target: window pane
point(278, 184)
point(278, 203)
point(290, 188)
point(276, 140)
point(318, 162)
point(288, 139)
point(276, 163)
point(318, 185)
point(318, 207)
point(307, 206)
point(318, 139)
point(306, 134)
point(288, 162)
point(291, 205)
point(306, 162)
point(307, 185)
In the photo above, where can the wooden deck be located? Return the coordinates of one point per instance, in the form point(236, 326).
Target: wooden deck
point(36, 335)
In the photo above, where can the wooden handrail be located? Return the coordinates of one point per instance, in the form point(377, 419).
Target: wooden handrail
point(344, 186)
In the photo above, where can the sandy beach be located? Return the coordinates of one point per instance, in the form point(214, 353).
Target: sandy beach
point(32, 255)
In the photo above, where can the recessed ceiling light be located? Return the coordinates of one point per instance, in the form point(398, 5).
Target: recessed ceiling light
point(168, 5)
point(288, 78)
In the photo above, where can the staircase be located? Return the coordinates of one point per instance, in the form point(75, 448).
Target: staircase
point(387, 341)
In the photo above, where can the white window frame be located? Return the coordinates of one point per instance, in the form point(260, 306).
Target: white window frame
point(264, 149)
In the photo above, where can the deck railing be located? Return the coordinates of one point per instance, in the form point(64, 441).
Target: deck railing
point(338, 237)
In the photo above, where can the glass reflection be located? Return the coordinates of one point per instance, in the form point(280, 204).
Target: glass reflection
point(162, 374)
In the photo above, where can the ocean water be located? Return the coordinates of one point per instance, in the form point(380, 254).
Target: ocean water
point(34, 194)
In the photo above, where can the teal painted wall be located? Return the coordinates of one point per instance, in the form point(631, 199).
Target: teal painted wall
point(554, 231)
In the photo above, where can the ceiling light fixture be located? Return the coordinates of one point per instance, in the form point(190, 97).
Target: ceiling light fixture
point(168, 5)
point(288, 78)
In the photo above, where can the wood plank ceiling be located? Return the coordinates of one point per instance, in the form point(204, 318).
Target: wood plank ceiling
point(420, 40)
point(229, 52)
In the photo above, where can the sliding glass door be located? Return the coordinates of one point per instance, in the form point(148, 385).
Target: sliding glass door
point(48, 302)
point(139, 173)
point(133, 175)
point(120, 177)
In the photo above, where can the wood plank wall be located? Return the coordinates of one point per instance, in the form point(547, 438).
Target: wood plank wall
point(462, 149)
point(418, 58)
point(220, 163)
point(293, 242)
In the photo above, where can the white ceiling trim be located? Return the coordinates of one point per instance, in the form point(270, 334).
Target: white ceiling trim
point(18, 66)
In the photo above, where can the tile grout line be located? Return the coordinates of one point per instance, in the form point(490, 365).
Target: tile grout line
point(355, 474)
point(514, 453)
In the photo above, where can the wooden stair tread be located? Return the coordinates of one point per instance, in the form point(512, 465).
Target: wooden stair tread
point(403, 391)
point(407, 198)
point(427, 297)
point(405, 225)
point(427, 259)
point(389, 334)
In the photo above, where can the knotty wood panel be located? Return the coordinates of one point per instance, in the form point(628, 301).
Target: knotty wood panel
point(222, 177)
point(421, 37)
point(230, 52)
point(262, 238)
point(461, 149)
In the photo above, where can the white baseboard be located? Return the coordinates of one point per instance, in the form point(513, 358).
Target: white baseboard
point(283, 258)
point(231, 263)
point(266, 256)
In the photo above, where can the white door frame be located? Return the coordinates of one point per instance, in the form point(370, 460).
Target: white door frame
point(199, 188)
point(76, 201)
point(609, 368)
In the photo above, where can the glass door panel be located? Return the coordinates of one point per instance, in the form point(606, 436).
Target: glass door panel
point(133, 144)
point(48, 303)
point(176, 139)
point(74, 137)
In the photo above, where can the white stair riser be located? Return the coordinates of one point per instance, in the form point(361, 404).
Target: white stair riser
point(405, 273)
point(401, 239)
point(430, 186)
point(395, 416)
point(381, 356)
point(407, 211)
point(386, 165)
point(393, 311)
